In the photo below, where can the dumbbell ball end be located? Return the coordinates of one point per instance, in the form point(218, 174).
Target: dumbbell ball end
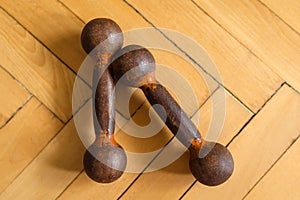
point(136, 64)
point(104, 162)
point(102, 30)
point(211, 164)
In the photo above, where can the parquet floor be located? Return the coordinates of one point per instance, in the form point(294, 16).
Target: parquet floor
point(254, 43)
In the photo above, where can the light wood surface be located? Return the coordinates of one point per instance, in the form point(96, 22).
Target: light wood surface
point(269, 38)
point(255, 46)
point(286, 10)
point(49, 24)
point(36, 68)
point(15, 96)
point(24, 137)
point(44, 177)
point(269, 187)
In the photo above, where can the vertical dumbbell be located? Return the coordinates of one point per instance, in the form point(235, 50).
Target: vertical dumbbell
point(105, 160)
point(210, 163)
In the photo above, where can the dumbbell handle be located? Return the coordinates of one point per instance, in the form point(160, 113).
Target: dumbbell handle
point(176, 120)
point(104, 95)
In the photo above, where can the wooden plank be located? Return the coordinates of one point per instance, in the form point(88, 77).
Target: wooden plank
point(24, 137)
point(282, 181)
point(13, 98)
point(112, 191)
point(115, 9)
point(54, 168)
point(36, 68)
point(287, 10)
point(83, 187)
point(53, 25)
point(189, 85)
point(242, 72)
point(172, 181)
point(266, 35)
point(257, 147)
point(236, 115)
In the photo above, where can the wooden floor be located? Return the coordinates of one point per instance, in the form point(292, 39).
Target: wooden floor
point(254, 43)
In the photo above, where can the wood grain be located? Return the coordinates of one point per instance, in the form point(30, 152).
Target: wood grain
point(235, 116)
point(257, 147)
point(14, 96)
point(176, 177)
point(53, 169)
point(188, 84)
point(282, 180)
point(260, 30)
point(93, 190)
point(36, 68)
point(114, 9)
point(231, 58)
point(287, 10)
point(53, 25)
point(24, 137)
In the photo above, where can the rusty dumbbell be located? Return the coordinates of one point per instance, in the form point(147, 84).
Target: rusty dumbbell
point(105, 160)
point(210, 163)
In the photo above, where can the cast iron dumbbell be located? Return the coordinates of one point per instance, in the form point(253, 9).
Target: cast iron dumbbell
point(105, 160)
point(210, 163)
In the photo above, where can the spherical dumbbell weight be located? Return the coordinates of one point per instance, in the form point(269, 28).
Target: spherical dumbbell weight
point(210, 163)
point(105, 160)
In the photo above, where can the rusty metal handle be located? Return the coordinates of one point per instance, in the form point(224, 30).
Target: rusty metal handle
point(104, 101)
point(177, 120)
point(105, 160)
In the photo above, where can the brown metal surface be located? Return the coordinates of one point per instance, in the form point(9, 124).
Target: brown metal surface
point(176, 119)
point(105, 160)
point(104, 100)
